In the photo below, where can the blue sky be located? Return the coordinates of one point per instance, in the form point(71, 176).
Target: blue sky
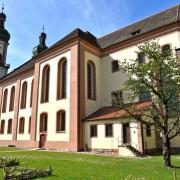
point(26, 17)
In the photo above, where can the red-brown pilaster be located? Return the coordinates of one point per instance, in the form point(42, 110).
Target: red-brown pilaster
point(74, 98)
point(34, 103)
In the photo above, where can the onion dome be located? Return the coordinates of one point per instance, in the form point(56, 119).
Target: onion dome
point(42, 44)
point(4, 34)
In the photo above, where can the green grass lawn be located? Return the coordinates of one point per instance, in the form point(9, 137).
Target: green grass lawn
point(74, 166)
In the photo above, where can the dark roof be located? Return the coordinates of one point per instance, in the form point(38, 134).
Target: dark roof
point(87, 36)
point(110, 112)
point(156, 21)
point(26, 66)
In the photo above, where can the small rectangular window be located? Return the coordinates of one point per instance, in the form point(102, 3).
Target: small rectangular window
point(117, 98)
point(109, 130)
point(166, 50)
point(93, 131)
point(141, 58)
point(144, 94)
point(115, 66)
point(178, 55)
point(148, 130)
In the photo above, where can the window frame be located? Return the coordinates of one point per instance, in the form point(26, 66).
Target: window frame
point(9, 128)
point(112, 135)
point(61, 80)
point(44, 128)
point(12, 99)
point(170, 48)
point(24, 90)
point(45, 85)
point(113, 69)
point(2, 131)
point(31, 96)
point(21, 131)
point(29, 125)
point(93, 136)
point(59, 118)
point(5, 98)
point(139, 56)
point(92, 85)
point(119, 93)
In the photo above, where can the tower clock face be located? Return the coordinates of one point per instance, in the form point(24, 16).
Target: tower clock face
point(1, 48)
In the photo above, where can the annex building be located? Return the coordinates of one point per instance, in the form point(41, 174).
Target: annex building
point(62, 97)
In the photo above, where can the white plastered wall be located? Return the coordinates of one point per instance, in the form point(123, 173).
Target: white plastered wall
point(102, 142)
point(93, 105)
point(115, 81)
point(7, 115)
point(55, 105)
point(25, 113)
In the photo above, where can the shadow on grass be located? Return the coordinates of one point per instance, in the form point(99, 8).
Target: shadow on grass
point(176, 167)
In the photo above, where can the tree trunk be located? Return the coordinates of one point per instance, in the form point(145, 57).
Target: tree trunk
point(166, 151)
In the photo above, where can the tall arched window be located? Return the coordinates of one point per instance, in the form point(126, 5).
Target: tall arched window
point(23, 95)
point(45, 84)
point(5, 100)
point(43, 122)
point(62, 79)
point(9, 130)
point(29, 129)
point(61, 121)
point(2, 127)
point(91, 80)
point(32, 85)
point(12, 97)
point(21, 125)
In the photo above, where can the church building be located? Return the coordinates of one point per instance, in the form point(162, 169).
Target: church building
point(61, 98)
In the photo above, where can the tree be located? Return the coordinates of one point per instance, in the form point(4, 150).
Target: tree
point(158, 73)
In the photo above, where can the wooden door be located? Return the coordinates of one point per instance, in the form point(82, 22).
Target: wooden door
point(42, 141)
point(126, 134)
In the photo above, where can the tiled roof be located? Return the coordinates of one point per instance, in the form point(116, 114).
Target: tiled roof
point(87, 36)
point(156, 21)
point(24, 67)
point(114, 113)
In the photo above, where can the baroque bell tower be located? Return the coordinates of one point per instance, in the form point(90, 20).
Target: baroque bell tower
point(4, 39)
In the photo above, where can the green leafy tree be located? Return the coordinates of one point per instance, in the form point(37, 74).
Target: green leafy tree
point(160, 76)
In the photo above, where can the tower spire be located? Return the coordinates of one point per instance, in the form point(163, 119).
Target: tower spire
point(42, 43)
point(2, 8)
point(4, 41)
point(43, 28)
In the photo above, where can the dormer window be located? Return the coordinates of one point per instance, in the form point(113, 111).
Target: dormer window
point(134, 33)
point(115, 66)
